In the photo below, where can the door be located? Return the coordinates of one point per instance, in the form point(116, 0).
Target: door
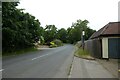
point(105, 48)
point(113, 46)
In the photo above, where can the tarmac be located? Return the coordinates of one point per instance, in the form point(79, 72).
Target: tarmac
point(111, 65)
point(83, 68)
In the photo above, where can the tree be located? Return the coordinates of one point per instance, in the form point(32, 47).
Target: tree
point(88, 33)
point(75, 31)
point(50, 33)
point(62, 35)
point(20, 30)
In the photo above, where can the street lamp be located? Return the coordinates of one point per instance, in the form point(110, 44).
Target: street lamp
point(83, 33)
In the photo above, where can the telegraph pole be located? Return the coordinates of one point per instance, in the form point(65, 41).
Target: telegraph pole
point(82, 37)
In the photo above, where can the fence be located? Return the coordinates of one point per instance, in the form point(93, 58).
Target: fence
point(94, 46)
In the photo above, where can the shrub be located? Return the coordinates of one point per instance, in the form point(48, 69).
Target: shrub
point(52, 43)
point(58, 42)
point(51, 46)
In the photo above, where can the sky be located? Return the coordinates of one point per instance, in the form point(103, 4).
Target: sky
point(62, 13)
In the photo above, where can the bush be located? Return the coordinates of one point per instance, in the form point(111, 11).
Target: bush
point(51, 46)
point(56, 43)
point(52, 43)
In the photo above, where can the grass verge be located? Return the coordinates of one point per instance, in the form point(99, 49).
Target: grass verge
point(18, 52)
point(83, 54)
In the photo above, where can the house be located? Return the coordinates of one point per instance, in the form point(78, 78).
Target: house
point(106, 41)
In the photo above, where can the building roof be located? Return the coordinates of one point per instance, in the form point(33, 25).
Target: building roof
point(111, 29)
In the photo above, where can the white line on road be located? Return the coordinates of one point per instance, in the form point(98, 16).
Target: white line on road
point(1, 70)
point(40, 56)
point(47, 54)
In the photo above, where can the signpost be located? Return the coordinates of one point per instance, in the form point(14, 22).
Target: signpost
point(82, 37)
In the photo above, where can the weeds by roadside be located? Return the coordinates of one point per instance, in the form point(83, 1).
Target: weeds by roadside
point(83, 54)
point(18, 52)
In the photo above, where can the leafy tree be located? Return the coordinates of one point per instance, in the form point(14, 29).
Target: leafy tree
point(20, 30)
point(69, 35)
point(62, 35)
point(88, 33)
point(50, 33)
point(75, 31)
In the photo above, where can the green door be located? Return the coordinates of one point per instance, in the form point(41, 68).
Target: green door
point(113, 47)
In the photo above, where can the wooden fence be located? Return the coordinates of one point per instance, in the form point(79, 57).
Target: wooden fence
point(94, 46)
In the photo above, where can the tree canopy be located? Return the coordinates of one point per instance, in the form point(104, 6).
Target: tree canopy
point(21, 30)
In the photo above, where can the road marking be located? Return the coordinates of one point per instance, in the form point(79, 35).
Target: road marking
point(40, 56)
point(1, 70)
point(47, 54)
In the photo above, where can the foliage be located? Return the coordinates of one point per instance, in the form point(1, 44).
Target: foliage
point(79, 52)
point(20, 30)
point(53, 45)
point(56, 43)
point(42, 40)
point(50, 33)
point(62, 35)
point(75, 31)
point(83, 54)
point(22, 51)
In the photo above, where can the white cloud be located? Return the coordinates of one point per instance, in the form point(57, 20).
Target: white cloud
point(63, 12)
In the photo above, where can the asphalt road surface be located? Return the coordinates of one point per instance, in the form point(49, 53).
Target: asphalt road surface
point(45, 63)
point(83, 68)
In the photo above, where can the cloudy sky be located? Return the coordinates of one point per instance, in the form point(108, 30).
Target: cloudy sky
point(63, 12)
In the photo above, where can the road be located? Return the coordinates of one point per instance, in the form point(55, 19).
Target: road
point(45, 63)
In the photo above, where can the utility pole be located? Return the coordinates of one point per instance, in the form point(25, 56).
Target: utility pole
point(82, 37)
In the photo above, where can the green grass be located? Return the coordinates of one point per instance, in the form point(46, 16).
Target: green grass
point(82, 53)
point(118, 60)
point(18, 52)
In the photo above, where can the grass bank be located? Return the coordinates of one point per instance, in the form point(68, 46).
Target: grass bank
point(83, 54)
point(18, 52)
